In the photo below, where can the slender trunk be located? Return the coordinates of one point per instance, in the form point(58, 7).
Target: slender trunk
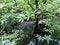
point(36, 30)
point(36, 18)
point(36, 3)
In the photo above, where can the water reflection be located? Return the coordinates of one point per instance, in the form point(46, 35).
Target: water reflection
point(54, 42)
point(32, 42)
point(58, 42)
point(51, 42)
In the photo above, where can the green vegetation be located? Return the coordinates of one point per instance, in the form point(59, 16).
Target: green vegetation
point(18, 17)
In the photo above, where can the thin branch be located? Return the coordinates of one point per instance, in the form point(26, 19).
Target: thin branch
point(45, 1)
point(15, 3)
point(36, 3)
point(31, 6)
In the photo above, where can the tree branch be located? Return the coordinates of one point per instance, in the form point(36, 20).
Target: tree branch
point(31, 6)
point(15, 3)
point(45, 1)
point(36, 18)
point(36, 3)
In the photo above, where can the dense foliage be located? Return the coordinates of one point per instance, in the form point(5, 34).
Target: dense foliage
point(18, 11)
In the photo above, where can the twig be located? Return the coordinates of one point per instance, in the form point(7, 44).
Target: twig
point(15, 3)
point(31, 6)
